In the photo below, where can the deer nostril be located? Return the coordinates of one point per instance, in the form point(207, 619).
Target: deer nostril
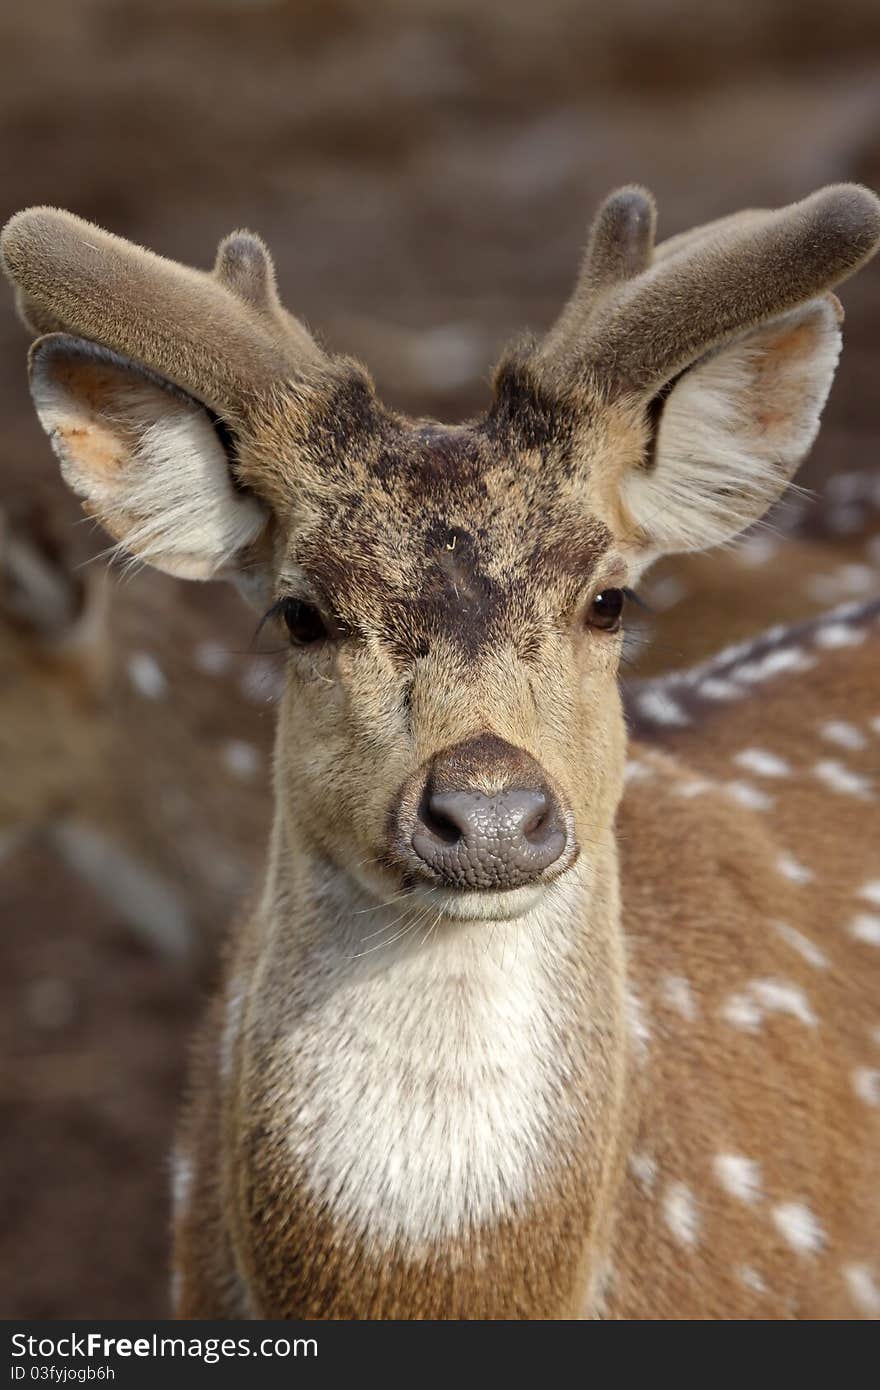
point(535, 822)
point(438, 821)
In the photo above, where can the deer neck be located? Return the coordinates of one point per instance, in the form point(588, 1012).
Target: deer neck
point(437, 1089)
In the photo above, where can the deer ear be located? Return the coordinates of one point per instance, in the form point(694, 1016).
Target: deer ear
point(732, 431)
point(147, 460)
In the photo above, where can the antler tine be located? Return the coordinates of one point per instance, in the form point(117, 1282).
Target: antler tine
point(619, 247)
point(222, 337)
point(708, 288)
point(244, 265)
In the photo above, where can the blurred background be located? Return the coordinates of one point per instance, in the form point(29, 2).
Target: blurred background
point(424, 173)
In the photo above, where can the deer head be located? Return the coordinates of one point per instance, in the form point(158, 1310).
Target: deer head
point(452, 595)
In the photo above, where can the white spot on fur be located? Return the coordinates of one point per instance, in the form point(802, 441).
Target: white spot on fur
point(667, 592)
point(644, 1169)
point(866, 1084)
point(865, 927)
point(802, 944)
point(843, 734)
point(794, 871)
point(782, 660)
point(756, 550)
point(681, 1214)
point(600, 1290)
point(840, 779)
point(871, 892)
point(181, 1181)
point(677, 993)
point(844, 582)
point(856, 485)
point(714, 688)
point(212, 659)
point(751, 1279)
point(799, 1227)
point(741, 1011)
point(242, 759)
point(696, 786)
point(660, 708)
point(777, 996)
point(857, 579)
point(637, 1022)
point(864, 1289)
point(747, 1008)
point(762, 763)
point(636, 771)
point(730, 654)
point(146, 676)
point(850, 612)
point(834, 635)
point(751, 797)
point(739, 1176)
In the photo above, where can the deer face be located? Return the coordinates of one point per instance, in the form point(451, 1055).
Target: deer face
point(451, 718)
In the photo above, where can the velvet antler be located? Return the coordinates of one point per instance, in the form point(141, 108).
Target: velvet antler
point(638, 317)
point(222, 336)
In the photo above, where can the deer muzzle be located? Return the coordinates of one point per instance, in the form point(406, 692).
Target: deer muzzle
point(482, 816)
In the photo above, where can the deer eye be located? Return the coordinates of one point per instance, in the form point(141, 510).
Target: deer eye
point(303, 621)
point(605, 610)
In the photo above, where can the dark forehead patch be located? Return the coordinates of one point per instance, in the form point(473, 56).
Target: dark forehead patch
point(569, 550)
point(438, 533)
point(525, 412)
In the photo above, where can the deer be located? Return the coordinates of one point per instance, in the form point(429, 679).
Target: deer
point(89, 670)
point(808, 555)
point(54, 656)
point(553, 1001)
point(67, 733)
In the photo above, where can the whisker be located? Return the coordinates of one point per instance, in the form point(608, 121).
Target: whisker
point(407, 893)
point(380, 946)
point(433, 927)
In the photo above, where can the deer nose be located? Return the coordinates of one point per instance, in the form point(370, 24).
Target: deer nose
point(469, 839)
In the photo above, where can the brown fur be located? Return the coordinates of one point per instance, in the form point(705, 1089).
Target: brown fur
point(783, 1095)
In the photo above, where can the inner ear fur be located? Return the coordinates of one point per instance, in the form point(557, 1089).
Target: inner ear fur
point(732, 431)
point(145, 458)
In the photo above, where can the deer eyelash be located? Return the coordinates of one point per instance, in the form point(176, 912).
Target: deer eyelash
point(632, 596)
